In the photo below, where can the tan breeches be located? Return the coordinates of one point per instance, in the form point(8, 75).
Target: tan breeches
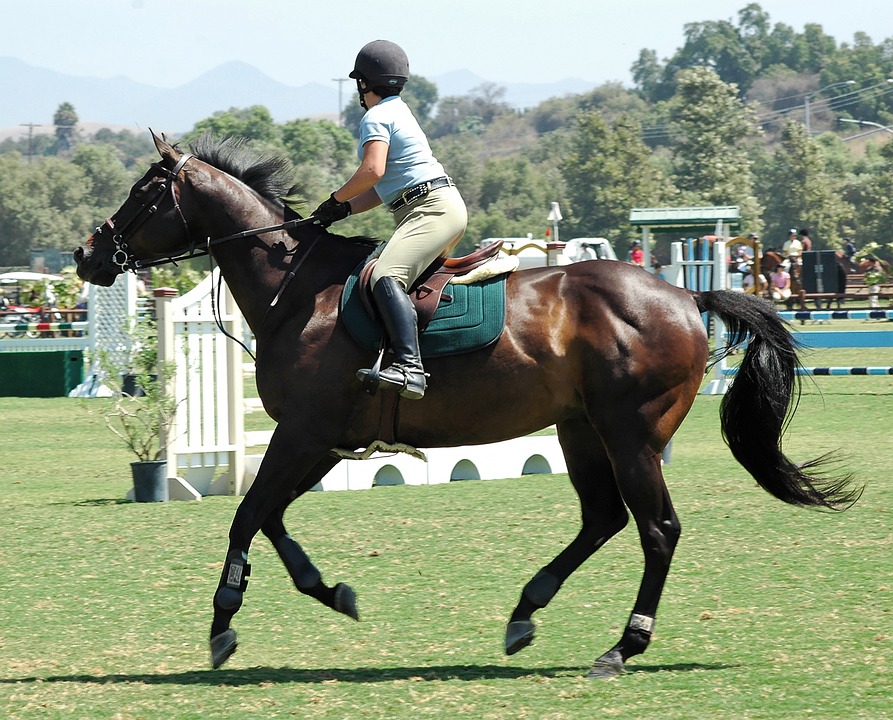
point(425, 230)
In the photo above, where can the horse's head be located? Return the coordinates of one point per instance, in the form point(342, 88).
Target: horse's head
point(149, 225)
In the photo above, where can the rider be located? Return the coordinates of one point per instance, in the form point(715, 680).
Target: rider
point(397, 168)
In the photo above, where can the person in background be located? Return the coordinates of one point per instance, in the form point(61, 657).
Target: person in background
point(805, 242)
point(874, 276)
point(636, 254)
point(754, 283)
point(792, 247)
point(780, 284)
point(849, 252)
point(397, 168)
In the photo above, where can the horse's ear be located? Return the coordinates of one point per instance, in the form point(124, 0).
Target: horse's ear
point(165, 149)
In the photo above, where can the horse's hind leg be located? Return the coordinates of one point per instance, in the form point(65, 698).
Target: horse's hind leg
point(642, 485)
point(603, 516)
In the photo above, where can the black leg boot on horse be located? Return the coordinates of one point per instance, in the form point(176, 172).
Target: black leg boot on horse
point(398, 315)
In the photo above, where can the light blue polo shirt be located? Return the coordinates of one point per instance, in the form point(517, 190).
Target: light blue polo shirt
point(410, 160)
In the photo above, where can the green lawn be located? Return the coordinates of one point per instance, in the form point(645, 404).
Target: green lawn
point(769, 612)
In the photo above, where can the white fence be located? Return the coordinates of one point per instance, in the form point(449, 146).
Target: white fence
point(208, 432)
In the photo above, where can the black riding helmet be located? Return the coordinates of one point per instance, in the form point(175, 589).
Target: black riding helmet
point(381, 64)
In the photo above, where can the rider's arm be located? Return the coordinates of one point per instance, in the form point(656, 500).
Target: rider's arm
point(359, 190)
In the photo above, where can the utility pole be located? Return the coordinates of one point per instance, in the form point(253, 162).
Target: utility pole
point(30, 127)
point(340, 82)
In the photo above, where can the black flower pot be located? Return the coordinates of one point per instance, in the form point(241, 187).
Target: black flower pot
point(150, 481)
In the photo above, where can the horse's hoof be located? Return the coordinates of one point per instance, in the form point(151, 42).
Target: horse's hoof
point(518, 635)
point(346, 601)
point(222, 646)
point(608, 666)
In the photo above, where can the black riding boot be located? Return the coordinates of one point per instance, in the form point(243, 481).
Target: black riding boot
point(406, 374)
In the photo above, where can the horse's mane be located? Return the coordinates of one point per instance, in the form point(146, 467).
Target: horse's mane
point(268, 174)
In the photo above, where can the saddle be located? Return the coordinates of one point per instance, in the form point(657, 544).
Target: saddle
point(427, 292)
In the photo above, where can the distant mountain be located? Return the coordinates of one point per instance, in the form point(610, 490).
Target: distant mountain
point(33, 94)
point(519, 95)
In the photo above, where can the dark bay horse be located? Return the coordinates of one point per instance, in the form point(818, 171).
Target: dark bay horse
point(608, 353)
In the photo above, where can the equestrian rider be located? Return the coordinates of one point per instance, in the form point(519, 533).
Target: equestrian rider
point(397, 168)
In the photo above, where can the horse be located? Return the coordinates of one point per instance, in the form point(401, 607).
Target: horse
point(609, 354)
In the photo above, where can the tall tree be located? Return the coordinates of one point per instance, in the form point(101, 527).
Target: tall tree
point(606, 172)
point(712, 165)
point(65, 119)
point(254, 123)
point(799, 192)
point(877, 208)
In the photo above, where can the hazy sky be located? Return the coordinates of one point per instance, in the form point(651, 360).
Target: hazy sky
point(170, 42)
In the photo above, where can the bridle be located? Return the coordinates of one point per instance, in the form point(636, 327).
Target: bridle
point(122, 256)
point(125, 259)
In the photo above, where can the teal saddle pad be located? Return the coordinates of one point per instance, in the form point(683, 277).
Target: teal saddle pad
point(472, 319)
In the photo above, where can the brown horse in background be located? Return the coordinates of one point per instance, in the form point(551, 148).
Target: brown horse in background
point(609, 354)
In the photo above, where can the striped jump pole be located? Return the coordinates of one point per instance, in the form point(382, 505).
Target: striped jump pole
point(828, 371)
point(44, 326)
point(825, 339)
point(837, 315)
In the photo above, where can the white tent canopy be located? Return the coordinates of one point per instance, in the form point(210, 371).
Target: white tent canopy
point(24, 275)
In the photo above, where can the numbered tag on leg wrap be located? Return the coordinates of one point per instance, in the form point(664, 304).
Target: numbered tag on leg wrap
point(236, 574)
point(642, 623)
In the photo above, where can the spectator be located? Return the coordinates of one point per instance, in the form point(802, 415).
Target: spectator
point(751, 280)
point(780, 284)
point(849, 252)
point(805, 242)
point(874, 276)
point(636, 254)
point(792, 247)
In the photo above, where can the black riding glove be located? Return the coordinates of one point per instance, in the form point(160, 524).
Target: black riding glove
point(331, 211)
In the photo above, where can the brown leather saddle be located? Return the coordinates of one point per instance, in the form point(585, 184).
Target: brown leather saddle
point(427, 292)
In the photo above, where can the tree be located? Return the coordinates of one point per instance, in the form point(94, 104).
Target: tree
point(254, 123)
point(877, 208)
point(65, 119)
point(108, 179)
point(718, 45)
point(421, 96)
point(606, 172)
point(647, 73)
point(42, 204)
point(469, 112)
point(711, 155)
point(324, 155)
point(799, 192)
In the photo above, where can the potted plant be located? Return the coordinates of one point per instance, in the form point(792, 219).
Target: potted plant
point(142, 412)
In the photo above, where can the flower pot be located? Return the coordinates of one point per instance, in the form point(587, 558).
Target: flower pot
point(150, 481)
point(130, 385)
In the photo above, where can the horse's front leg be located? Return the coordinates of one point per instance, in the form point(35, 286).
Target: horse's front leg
point(281, 471)
point(306, 577)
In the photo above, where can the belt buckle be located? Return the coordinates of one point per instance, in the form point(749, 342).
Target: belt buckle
point(414, 193)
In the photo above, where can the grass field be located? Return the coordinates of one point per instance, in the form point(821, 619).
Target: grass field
point(769, 612)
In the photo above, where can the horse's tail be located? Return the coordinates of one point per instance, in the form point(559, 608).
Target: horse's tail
point(757, 406)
